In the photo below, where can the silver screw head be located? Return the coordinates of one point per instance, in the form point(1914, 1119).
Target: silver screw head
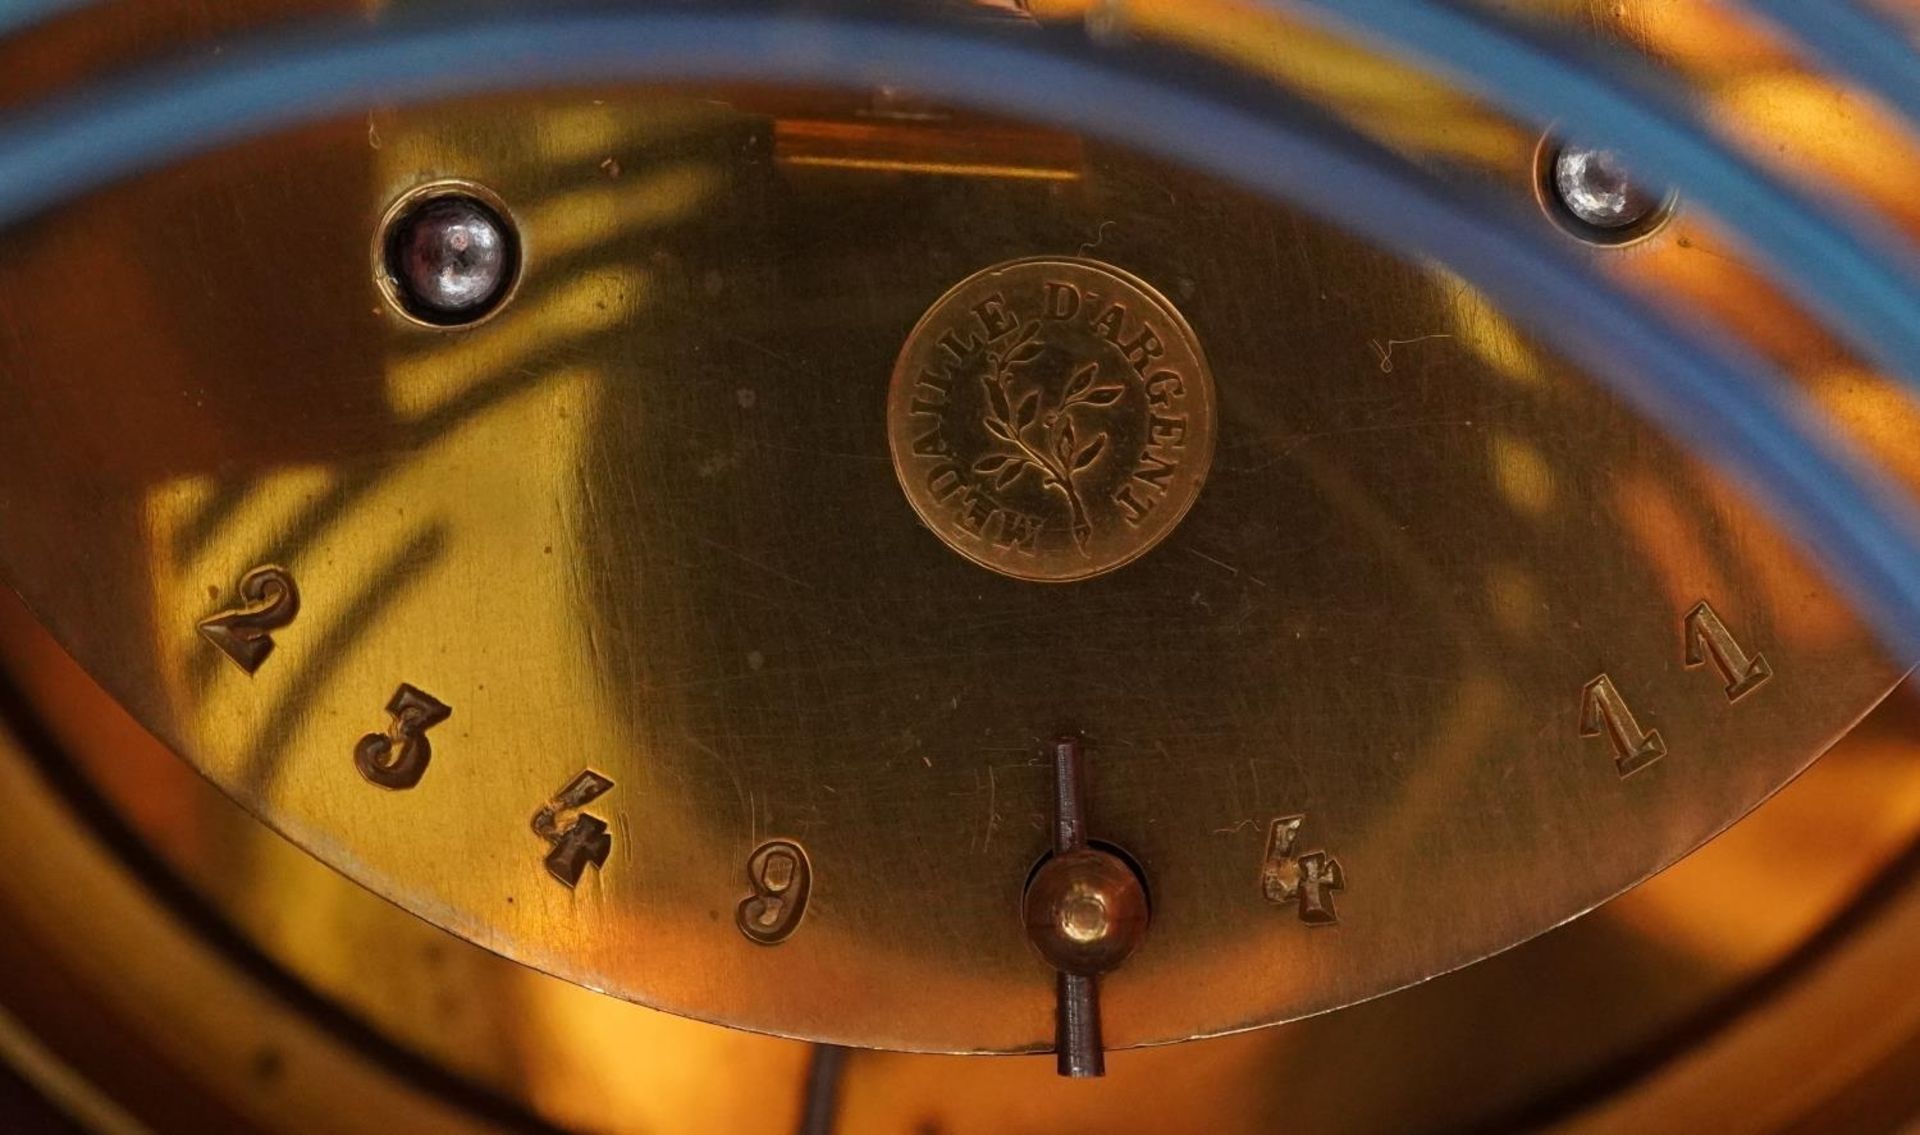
point(1597, 189)
point(451, 259)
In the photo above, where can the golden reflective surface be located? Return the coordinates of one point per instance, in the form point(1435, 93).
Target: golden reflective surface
point(1502, 648)
point(1788, 942)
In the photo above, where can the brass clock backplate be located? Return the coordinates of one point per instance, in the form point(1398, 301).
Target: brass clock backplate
point(615, 635)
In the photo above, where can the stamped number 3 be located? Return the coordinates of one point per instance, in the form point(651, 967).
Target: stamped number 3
point(398, 758)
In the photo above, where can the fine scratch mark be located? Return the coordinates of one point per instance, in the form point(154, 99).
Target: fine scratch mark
point(1227, 567)
point(776, 356)
point(1385, 354)
point(753, 563)
point(1243, 825)
point(626, 838)
point(1099, 235)
point(1296, 441)
point(742, 794)
point(1687, 243)
point(993, 817)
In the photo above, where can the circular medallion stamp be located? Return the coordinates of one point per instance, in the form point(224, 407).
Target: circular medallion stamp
point(1051, 418)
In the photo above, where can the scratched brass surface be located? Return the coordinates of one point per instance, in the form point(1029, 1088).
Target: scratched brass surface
point(278, 995)
point(644, 523)
point(1787, 943)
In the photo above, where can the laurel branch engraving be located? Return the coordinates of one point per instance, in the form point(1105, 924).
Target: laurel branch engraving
point(1040, 435)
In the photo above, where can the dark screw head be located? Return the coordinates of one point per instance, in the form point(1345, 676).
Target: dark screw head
point(450, 258)
point(1086, 911)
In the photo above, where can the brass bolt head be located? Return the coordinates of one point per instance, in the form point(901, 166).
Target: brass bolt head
point(1086, 911)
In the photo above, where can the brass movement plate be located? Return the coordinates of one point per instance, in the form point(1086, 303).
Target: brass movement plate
point(1537, 1034)
point(615, 634)
point(1051, 418)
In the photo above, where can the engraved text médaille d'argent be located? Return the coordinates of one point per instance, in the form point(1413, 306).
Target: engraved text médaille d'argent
point(1052, 418)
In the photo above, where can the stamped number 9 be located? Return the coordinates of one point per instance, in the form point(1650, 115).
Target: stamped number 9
point(781, 879)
